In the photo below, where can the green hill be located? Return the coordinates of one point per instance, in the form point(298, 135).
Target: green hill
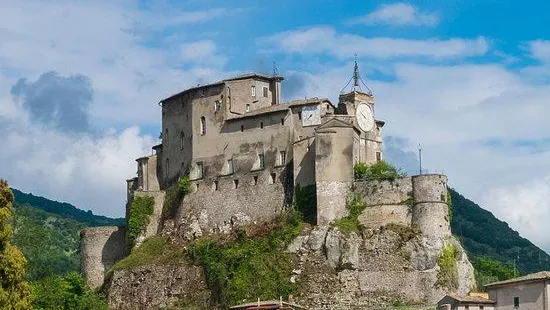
point(48, 234)
point(65, 210)
point(482, 234)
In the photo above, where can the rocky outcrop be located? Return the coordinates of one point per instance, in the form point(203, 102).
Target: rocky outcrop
point(158, 286)
point(373, 267)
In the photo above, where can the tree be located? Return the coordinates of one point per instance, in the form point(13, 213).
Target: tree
point(14, 291)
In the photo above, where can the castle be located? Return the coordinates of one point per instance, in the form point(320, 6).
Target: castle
point(245, 152)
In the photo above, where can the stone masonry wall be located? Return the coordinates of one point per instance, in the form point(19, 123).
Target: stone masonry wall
point(212, 208)
point(101, 248)
point(152, 228)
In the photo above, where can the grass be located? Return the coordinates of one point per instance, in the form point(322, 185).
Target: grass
point(156, 249)
point(351, 222)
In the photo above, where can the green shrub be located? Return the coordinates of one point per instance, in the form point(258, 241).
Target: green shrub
point(174, 196)
point(141, 209)
point(249, 267)
point(69, 292)
point(156, 249)
point(350, 222)
point(184, 184)
point(488, 270)
point(305, 198)
point(447, 276)
point(380, 171)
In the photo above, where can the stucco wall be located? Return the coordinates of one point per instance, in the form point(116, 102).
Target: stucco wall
point(531, 296)
point(333, 171)
point(101, 248)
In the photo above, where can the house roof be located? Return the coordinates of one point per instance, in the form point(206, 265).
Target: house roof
point(239, 77)
point(270, 304)
point(465, 299)
point(533, 277)
point(265, 110)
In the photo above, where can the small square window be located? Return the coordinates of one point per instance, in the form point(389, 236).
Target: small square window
point(230, 167)
point(261, 158)
point(265, 91)
point(247, 108)
point(261, 125)
point(282, 158)
point(200, 170)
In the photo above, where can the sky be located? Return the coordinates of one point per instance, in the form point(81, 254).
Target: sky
point(80, 83)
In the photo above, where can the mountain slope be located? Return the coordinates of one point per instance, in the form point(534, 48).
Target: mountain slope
point(482, 234)
point(65, 210)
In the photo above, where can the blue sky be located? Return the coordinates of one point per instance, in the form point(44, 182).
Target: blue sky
point(80, 82)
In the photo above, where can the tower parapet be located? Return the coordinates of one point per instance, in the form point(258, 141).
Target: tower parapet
point(430, 212)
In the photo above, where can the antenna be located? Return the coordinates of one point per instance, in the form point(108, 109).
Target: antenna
point(420, 158)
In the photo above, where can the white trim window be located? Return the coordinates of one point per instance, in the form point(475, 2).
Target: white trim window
point(253, 90)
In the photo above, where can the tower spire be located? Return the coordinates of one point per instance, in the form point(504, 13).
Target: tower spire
point(355, 73)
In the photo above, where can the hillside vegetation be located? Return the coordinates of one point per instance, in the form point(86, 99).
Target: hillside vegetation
point(482, 234)
point(65, 210)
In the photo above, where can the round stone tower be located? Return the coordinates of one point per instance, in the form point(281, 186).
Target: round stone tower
point(430, 212)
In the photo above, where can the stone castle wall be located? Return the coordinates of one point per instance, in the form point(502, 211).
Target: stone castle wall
point(217, 206)
point(101, 248)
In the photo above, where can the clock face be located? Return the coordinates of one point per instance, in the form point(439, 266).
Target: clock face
point(311, 115)
point(364, 116)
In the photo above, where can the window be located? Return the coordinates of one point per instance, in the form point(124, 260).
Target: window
point(200, 170)
point(255, 180)
point(229, 97)
point(247, 108)
point(203, 125)
point(273, 177)
point(182, 140)
point(261, 158)
point(261, 125)
point(378, 156)
point(516, 302)
point(215, 186)
point(236, 183)
point(253, 90)
point(265, 91)
point(282, 158)
point(230, 167)
point(242, 128)
point(217, 106)
point(282, 121)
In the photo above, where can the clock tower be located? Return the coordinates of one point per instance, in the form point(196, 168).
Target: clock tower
point(357, 101)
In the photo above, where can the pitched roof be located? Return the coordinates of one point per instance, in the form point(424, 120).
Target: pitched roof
point(533, 277)
point(470, 299)
point(265, 110)
point(268, 303)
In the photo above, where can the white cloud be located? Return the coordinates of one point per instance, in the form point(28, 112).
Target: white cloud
point(525, 205)
point(202, 53)
point(325, 40)
point(87, 170)
point(540, 49)
point(397, 14)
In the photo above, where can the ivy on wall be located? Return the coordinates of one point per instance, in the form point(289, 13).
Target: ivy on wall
point(141, 209)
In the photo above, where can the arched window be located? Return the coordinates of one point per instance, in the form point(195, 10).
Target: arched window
point(203, 125)
point(182, 140)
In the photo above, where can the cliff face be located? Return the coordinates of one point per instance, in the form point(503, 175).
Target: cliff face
point(377, 267)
